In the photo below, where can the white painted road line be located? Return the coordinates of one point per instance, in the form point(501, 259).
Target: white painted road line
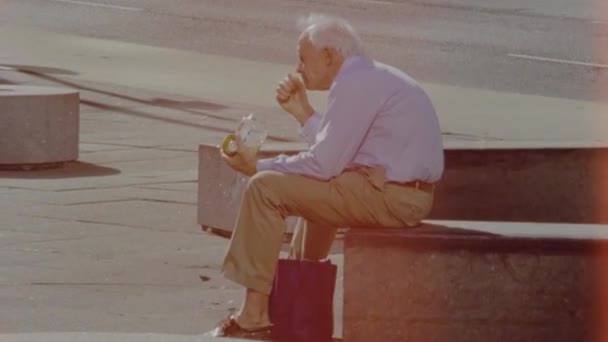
point(95, 4)
point(373, 2)
point(555, 60)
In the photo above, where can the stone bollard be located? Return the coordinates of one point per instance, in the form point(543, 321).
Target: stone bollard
point(39, 126)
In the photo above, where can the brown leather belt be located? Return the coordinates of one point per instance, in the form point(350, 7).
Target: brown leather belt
point(420, 185)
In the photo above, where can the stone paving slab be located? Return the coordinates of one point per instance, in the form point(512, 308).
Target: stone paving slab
point(182, 192)
point(132, 155)
point(86, 148)
point(15, 223)
point(84, 176)
point(148, 214)
point(102, 337)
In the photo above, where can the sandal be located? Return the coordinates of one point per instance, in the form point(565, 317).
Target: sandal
point(230, 328)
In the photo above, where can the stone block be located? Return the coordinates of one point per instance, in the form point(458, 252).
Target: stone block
point(220, 189)
point(39, 126)
point(445, 284)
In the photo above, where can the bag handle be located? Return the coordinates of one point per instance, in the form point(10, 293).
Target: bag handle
point(299, 231)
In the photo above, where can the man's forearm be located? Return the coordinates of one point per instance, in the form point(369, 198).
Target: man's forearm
point(304, 115)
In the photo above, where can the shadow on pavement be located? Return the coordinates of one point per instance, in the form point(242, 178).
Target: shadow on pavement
point(161, 102)
point(197, 107)
point(145, 115)
point(141, 114)
point(184, 106)
point(5, 81)
point(67, 170)
point(36, 69)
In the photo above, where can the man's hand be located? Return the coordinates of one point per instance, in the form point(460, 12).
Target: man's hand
point(244, 161)
point(291, 96)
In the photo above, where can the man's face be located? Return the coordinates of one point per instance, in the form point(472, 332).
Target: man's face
point(312, 65)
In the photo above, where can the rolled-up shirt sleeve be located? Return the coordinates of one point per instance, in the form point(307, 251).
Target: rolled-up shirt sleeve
point(350, 112)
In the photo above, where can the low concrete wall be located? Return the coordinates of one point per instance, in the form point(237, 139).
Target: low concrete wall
point(39, 126)
point(441, 284)
point(525, 185)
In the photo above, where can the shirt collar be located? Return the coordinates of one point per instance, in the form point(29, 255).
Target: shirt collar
point(351, 63)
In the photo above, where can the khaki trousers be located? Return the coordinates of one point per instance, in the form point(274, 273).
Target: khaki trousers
point(356, 198)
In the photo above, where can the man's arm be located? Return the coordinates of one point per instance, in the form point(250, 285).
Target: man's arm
point(309, 130)
point(291, 96)
point(350, 113)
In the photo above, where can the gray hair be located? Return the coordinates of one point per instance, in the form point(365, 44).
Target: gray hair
point(331, 32)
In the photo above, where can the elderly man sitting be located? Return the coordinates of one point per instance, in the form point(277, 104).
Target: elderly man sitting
point(373, 159)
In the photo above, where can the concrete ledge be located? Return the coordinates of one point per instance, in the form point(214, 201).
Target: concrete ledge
point(445, 284)
point(39, 126)
point(557, 184)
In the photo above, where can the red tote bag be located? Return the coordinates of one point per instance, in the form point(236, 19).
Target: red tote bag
point(301, 301)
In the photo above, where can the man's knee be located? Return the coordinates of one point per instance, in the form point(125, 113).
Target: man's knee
point(264, 180)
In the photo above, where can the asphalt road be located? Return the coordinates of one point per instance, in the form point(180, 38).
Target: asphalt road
point(556, 48)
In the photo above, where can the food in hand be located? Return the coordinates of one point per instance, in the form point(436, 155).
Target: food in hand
point(229, 145)
point(251, 134)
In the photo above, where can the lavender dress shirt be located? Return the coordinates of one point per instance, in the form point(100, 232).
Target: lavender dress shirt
point(377, 116)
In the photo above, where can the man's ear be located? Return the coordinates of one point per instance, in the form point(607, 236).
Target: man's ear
point(328, 56)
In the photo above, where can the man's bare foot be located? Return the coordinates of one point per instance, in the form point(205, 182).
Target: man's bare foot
point(229, 327)
point(251, 323)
